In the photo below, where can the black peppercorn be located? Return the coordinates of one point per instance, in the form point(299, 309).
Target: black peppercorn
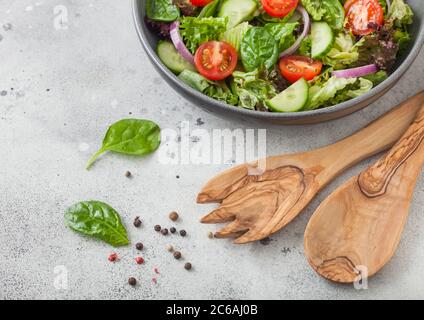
point(177, 255)
point(187, 266)
point(157, 228)
point(139, 246)
point(137, 222)
point(128, 174)
point(132, 281)
point(183, 233)
point(164, 231)
point(173, 230)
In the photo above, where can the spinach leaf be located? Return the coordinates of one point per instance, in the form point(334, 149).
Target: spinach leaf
point(258, 48)
point(130, 136)
point(98, 220)
point(282, 33)
point(162, 10)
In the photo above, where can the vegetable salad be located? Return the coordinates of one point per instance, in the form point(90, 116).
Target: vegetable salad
point(280, 55)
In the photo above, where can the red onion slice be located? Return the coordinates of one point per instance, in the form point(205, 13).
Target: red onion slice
point(179, 43)
point(306, 28)
point(355, 72)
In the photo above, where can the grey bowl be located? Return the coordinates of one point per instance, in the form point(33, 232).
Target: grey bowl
point(149, 41)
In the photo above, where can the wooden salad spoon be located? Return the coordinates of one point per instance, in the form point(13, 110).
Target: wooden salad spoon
point(357, 229)
point(261, 202)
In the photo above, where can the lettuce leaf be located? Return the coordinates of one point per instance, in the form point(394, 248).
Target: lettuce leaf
point(252, 90)
point(400, 14)
point(336, 90)
point(235, 35)
point(214, 89)
point(322, 95)
point(344, 52)
point(330, 11)
point(196, 31)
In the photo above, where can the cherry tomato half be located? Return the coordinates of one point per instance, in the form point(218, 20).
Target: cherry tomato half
point(279, 8)
point(295, 67)
point(360, 13)
point(216, 60)
point(200, 3)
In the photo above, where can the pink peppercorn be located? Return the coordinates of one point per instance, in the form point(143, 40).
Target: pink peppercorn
point(113, 257)
point(139, 260)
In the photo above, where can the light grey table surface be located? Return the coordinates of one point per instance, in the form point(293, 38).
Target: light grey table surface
point(68, 86)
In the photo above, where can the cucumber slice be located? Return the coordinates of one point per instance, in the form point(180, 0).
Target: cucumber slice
point(237, 11)
point(322, 39)
point(292, 99)
point(172, 59)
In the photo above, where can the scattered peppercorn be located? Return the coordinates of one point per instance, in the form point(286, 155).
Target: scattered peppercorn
point(156, 270)
point(173, 230)
point(113, 257)
point(139, 246)
point(169, 248)
point(164, 231)
point(155, 281)
point(137, 222)
point(210, 235)
point(177, 255)
point(183, 233)
point(157, 228)
point(187, 266)
point(173, 216)
point(128, 174)
point(139, 260)
point(132, 281)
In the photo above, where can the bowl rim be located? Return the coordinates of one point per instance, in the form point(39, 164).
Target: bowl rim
point(379, 90)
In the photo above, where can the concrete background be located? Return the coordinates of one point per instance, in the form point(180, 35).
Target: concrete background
point(60, 89)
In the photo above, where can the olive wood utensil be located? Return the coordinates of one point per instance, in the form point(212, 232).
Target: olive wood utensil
point(261, 204)
point(360, 224)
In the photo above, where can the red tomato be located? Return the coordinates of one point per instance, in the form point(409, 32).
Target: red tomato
point(279, 8)
point(360, 13)
point(216, 60)
point(295, 67)
point(200, 3)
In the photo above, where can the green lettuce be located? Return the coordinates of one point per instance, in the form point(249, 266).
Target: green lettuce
point(196, 31)
point(252, 90)
point(377, 78)
point(330, 11)
point(344, 52)
point(400, 14)
point(354, 90)
point(214, 89)
point(321, 95)
point(235, 35)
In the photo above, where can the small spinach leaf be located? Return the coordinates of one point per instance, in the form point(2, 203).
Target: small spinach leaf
point(210, 9)
point(98, 220)
point(258, 48)
point(162, 10)
point(130, 136)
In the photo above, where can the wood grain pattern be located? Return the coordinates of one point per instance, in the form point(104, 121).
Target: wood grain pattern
point(360, 224)
point(373, 182)
point(259, 205)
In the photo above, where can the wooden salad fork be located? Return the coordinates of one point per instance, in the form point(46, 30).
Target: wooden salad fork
point(258, 205)
point(357, 229)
